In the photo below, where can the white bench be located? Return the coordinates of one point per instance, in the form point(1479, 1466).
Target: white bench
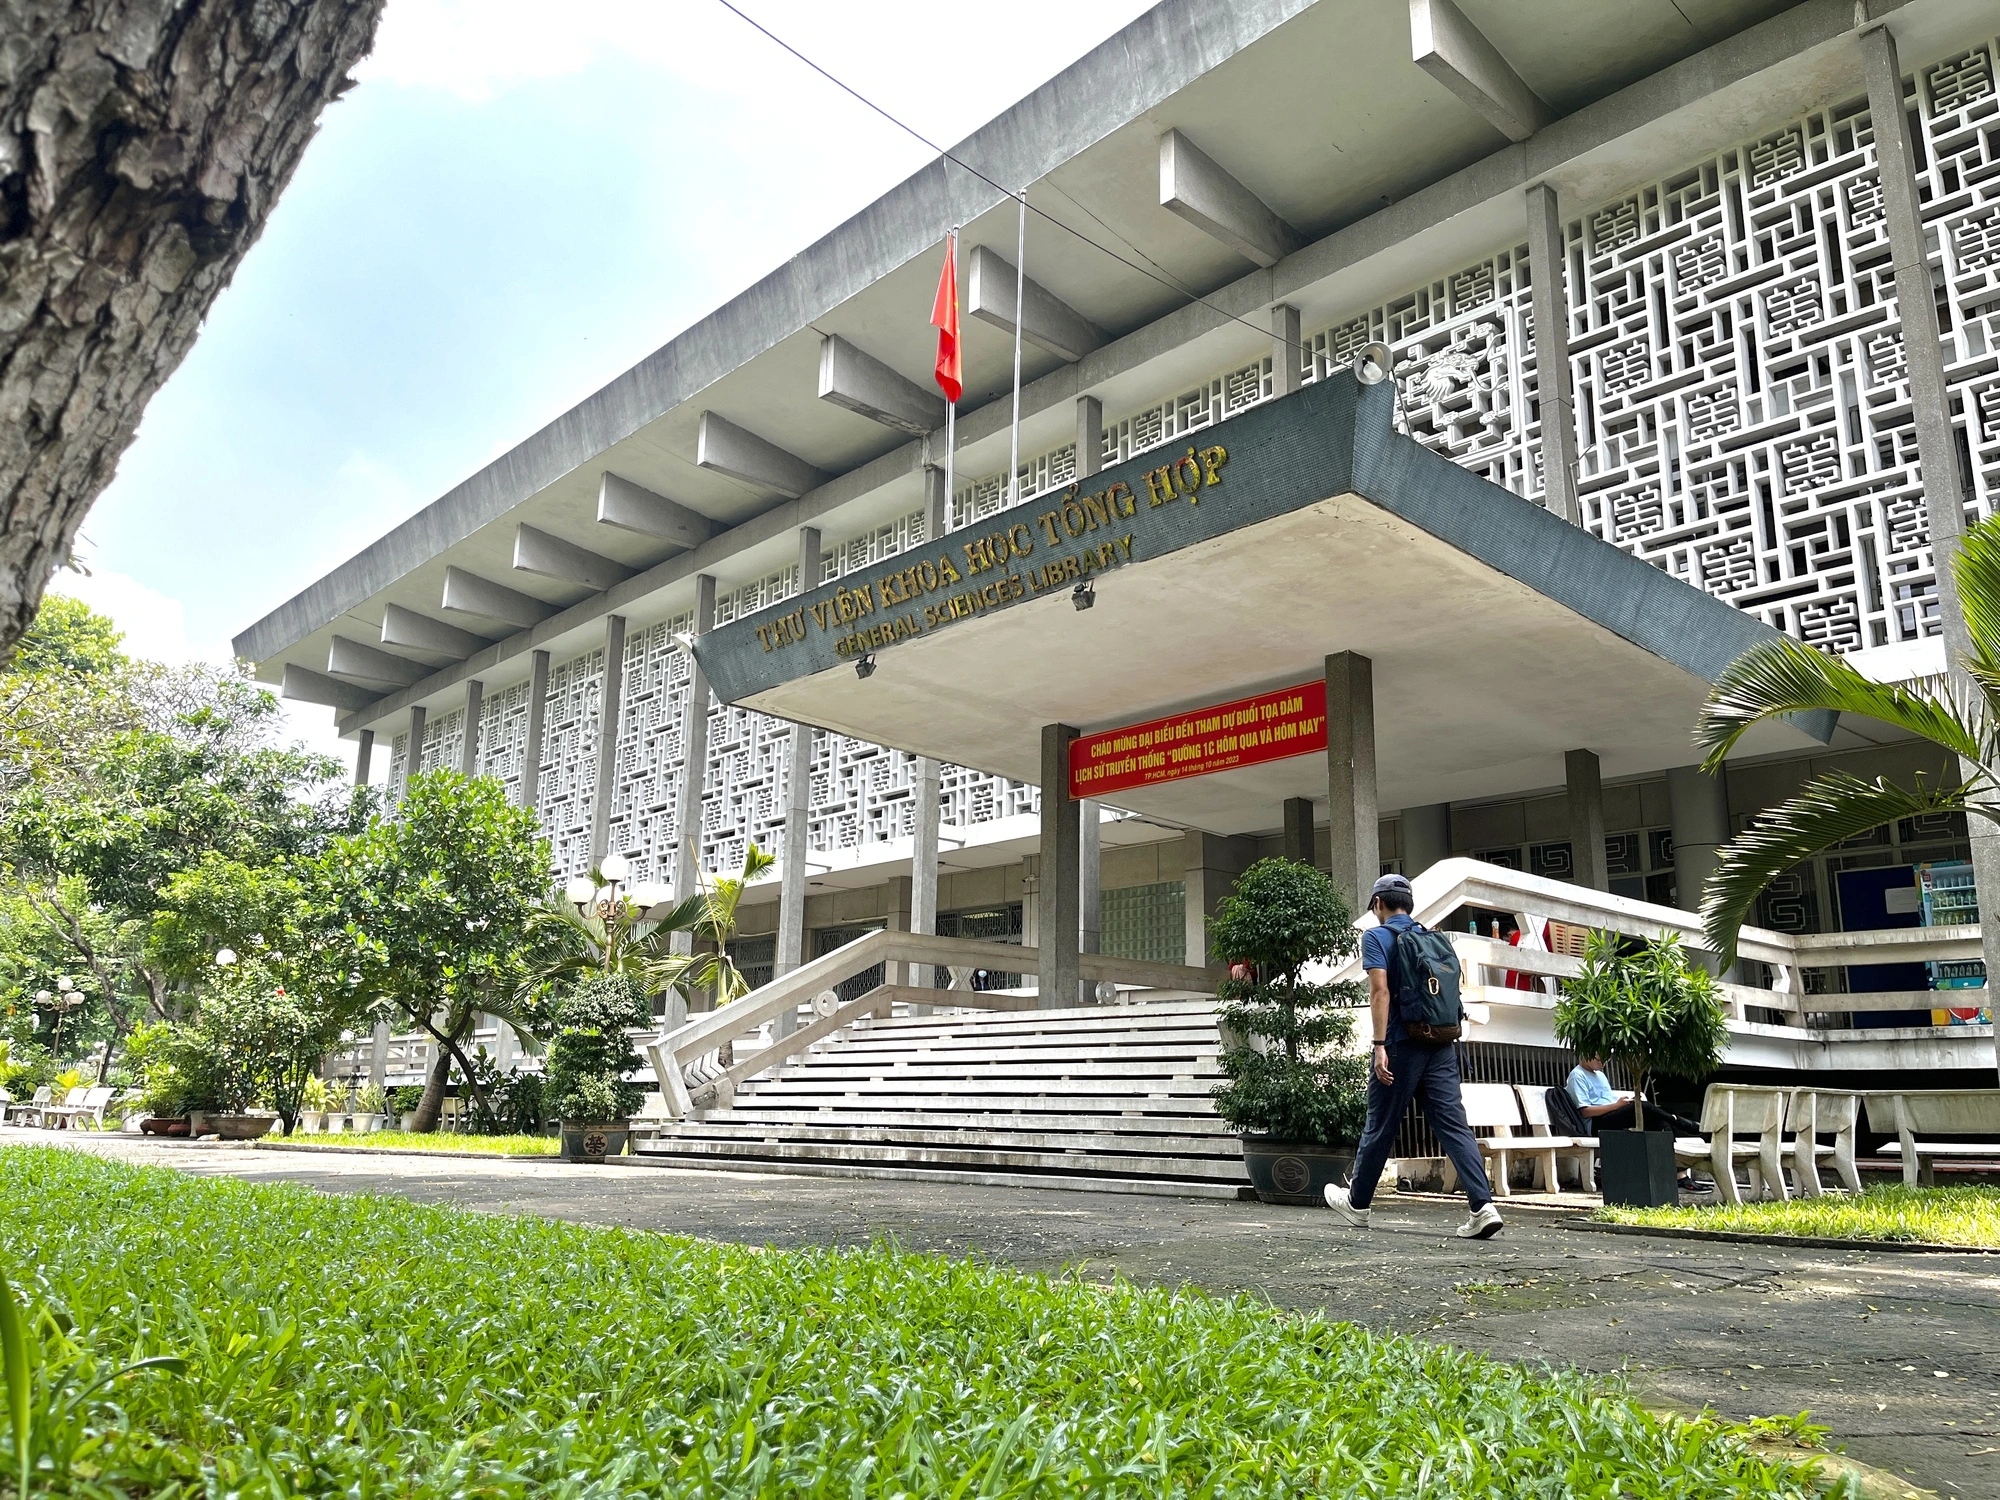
point(1729, 1110)
point(21, 1111)
point(1935, 1112)
point(1551, 1150)
point(1811, 1114)
point(1492, 1106)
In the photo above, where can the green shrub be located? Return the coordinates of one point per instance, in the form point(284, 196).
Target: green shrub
point(406, 1098)
point(590, 1053)
point(1654, 1011)
point(339, 1344)
point(1305, 1082)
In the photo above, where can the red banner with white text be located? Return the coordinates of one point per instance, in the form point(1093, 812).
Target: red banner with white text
point(1248, 732)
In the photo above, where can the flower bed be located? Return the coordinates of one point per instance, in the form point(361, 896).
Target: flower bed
point(357, 1345)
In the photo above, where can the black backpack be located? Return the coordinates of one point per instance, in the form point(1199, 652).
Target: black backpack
point(1564, 1117)
point(1424, 975)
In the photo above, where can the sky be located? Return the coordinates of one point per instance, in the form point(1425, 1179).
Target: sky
point(518, 202)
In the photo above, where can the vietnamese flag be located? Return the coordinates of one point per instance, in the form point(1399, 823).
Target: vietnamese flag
point(944, 317)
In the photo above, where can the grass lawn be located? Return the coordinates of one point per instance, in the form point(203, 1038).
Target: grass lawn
point(442, 1140)
point(1940, 1216)
point(375, 1347)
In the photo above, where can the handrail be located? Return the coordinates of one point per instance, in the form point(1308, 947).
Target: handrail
point(675, 1053)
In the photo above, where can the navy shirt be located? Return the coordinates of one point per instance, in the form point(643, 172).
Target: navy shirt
point(1376, 944)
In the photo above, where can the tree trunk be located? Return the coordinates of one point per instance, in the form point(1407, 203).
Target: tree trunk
point(142, 144)
point(432, 1104)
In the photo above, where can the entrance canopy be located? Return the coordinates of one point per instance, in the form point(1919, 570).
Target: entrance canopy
point(1501, 636)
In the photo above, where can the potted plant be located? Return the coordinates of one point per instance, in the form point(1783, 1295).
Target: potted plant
point(1297, 1091)
point(403, 1102)
point(370, 1109)
point(1655, 1012)
point(588, 1058)
point(313, 1099)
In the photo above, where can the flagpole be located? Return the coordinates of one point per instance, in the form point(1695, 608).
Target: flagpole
point(1020, 292)
point(951, 407)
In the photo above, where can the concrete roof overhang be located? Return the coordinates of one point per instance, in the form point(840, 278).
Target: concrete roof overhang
point(1501, 636)
point(1317, 108)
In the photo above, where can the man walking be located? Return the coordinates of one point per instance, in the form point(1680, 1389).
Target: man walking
point(1407, 1068)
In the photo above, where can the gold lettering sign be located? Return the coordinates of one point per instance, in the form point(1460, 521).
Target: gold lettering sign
point(983, 572)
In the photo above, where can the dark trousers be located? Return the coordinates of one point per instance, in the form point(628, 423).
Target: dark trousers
point(1656, 1119)
point(1429, 1074)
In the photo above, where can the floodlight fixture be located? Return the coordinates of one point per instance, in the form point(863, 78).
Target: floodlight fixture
point(864, 665)
point(1373, 364)
point(1084, 595)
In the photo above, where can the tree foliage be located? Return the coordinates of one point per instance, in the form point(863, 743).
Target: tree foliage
point(1654, 1011)
point(590, 1052)
point(1291, 1070)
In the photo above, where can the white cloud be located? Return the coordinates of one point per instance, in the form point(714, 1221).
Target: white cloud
point(155, 625)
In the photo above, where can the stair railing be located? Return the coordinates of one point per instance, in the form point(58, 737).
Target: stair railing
point(696, 1064)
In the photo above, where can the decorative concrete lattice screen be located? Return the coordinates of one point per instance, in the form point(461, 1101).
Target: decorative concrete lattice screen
point(645, 798)
point(399, 751)
point(444, 742)
point(1743, 395)
point(503, 736)
point(569, 757)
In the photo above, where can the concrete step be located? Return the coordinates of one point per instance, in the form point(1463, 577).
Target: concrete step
point(843, 1065)
point(1147, 1047)
point(1162, 1167)
point(788, 1094)
point(1063, 1143)
point(777, 1114)
point(1147, 1095)
point(1081, 1182)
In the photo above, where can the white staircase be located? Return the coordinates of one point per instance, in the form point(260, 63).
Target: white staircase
point(1112, 1097)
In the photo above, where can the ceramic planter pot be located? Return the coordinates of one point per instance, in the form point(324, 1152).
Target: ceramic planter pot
point(1638, 1168)
point(312, 1121)
point(162, 1125)
point(364, 1124)
point(584, 1140)
point(242, 1127)
point(1295, 1172)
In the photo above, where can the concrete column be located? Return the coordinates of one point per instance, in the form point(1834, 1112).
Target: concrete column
point(1031, 900)
point(531, 747)
point(1426, 837)
point(1089, 436)
point(1090, 872)
point(364, 755)
point(1287, 358)
point(1060, 923)
point(694, 773)
point(609, 704)
point(1546, 256)
point(1211, 865)
point(414, 761)
point(1698, 805)
point(1586, 819)
point(468, 752)
point(791, 951)
point(378, 1054)
point(1354, 834)
point(1299, 840)
point(929, 786)
point(1945, 498)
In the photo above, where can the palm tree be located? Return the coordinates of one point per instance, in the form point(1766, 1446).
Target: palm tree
point(617, 933)
point(1785, 677)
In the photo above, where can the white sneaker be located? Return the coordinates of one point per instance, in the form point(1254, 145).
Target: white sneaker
point(1482, 1225)
point(1336, 1199)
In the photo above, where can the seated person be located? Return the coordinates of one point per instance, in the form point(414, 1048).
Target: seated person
point(1603, 1108)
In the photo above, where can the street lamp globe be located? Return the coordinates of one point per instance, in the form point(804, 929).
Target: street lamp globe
point(225, 958)
point(615, 867)
point(580, 889)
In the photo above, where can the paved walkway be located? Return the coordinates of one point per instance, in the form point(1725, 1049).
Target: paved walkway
point(1898, 1354)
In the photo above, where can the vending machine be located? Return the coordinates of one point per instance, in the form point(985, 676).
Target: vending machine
point(1949, 900)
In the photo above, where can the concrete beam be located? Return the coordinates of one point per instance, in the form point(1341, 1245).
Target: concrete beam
point(633, 507)
point(1456, 53)
point(1047, 321)
point(469, 594)
point(364, 756)
point(538, 713)
point(724, 447)
point(1547, 259)
point(468, 741)
point(304, 686)
point(415, 632)
point(536, 551)
point(858, 382)
point(370, 667)
point(1288, 353)
point(1195, 188)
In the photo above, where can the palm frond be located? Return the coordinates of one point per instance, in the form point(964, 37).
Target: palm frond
point(1976, 571)
point(1783, 677)
point(1830, 810)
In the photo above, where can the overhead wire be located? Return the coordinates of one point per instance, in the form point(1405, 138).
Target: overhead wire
point(1162, 275)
